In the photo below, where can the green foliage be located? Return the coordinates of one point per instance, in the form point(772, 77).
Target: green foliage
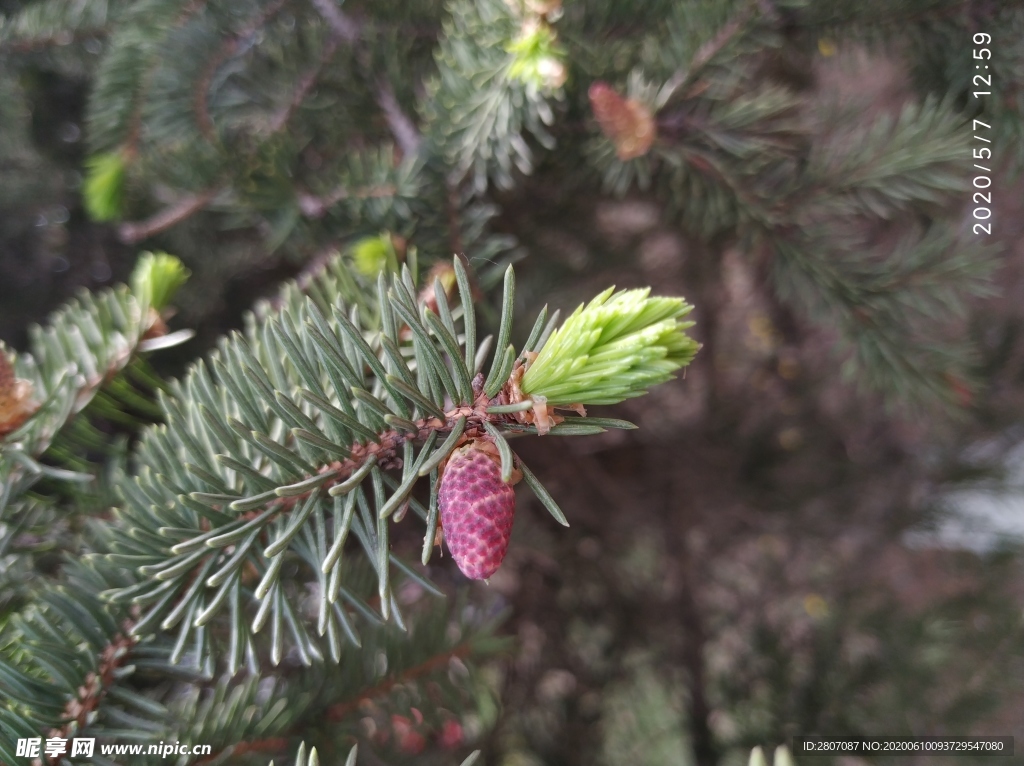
point(538, 58)
point(310, 430)
point(82, 388)
point(479, 104)
point(103, 192)
point(40, 24)
point(616, 347)
point(156, 279)
point(82, 349)
point(298, 427)
point(262, 517)
point(812, 195)
point(204, 111)
point(374, 255)
point(67, 663)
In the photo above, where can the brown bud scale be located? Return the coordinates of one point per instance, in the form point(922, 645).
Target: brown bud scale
point(626, 122)
point(16, 403)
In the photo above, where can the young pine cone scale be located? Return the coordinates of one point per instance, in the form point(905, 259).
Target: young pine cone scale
point(477, 509)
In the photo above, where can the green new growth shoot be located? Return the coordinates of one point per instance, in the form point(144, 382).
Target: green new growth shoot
point(614, 348)
point(372, 255)
point(538, 59)
point(156, 278)
point(103, 191)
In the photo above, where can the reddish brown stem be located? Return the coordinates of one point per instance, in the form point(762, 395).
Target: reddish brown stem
point(131, 144)
point(312, 206)
point(200, 103)
point(341, 710)
point(48, 41)
point(96, 685)
point(709, 50)
point(402, 128)
point(306, 84)
point(187, 206)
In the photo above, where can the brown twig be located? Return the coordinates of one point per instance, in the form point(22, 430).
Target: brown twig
point(312, 206)
point(402, 127)
point(306, 84)
point(200, 104)
point(78, 709)
point(407, 136)
point(339, 711)
point(135, 129)
point(386, 449)
point(709, 50)
point(133, 232)
point(48, 41)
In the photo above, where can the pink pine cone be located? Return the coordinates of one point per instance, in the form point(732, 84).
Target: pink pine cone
point(477, 509)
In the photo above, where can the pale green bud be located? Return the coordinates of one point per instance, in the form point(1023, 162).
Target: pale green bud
point(156, 278)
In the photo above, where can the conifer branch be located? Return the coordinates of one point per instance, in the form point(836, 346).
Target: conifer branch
point(38, 26)
point(133, 232)
point(87, 344)
point(341, 710)
point(709, 50)
point(406, 134)
point(227, 49)
point(402, 128)
point(34, 44)
point(306, 83)
point(114, 656)
point(131, 143)
point(343, 26)
point(242, 479)
point(315, 207)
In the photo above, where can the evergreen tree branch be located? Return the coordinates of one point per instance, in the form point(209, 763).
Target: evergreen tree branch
point(285, 428)
point(227, 49)
point(313, 206)
point(497, 71)
point(707, 52)
point(402, 128)
point(306, 84)
point(43, 25)
point(86, 345)
point(113, 657)
point(68, 667)
point(133, 232)
point(342, 711)
point(35, 44)
point(406, 134)
point(346, 28)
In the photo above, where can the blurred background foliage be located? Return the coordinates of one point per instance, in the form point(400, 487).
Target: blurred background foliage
point(788, 544)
